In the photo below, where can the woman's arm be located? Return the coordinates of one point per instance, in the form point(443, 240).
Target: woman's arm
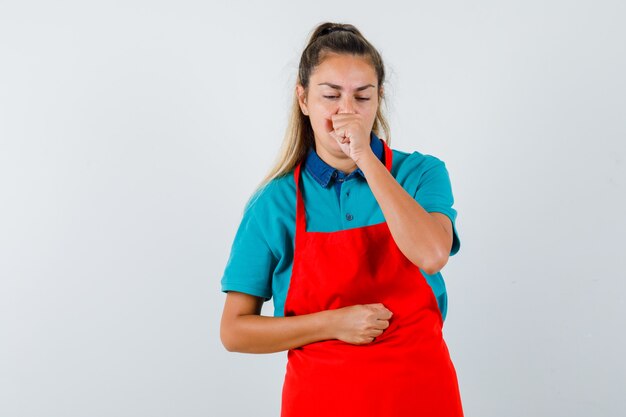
point(244, 330)
point(424, 238)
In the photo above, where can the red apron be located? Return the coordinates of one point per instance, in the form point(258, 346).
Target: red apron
point(407, 370)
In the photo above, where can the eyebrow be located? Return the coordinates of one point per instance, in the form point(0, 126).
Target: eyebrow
point(340, 88)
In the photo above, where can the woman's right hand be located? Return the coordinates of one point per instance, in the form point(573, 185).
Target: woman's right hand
point(361, 323)
point(243, 328)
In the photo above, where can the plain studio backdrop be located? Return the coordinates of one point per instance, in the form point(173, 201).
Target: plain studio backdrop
point(132, 134)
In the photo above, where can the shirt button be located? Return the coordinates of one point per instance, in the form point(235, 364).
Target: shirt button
point(349, 216)
point(334, 174)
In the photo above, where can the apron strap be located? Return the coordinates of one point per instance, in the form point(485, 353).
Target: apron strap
point(300, 213)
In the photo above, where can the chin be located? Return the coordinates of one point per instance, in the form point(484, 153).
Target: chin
point(335, 150)
point(333, 146)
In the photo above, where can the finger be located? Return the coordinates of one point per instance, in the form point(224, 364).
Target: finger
point(337, 121)
point(340, 124)
point(377, 306)
point(339, 137)
point(382, 324)
point(344, 116)
point(385, 314)
point(382, 308)
point(388, 312)
point(340, 131)
point(347, 126)
point(374, 335)
point(335, 136)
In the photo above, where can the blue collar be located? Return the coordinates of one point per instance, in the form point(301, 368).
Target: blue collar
point(324, 173)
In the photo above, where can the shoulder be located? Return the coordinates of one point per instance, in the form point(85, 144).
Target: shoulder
point(414, 164)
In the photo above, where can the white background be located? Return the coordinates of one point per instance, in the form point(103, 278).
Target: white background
point(132, 133)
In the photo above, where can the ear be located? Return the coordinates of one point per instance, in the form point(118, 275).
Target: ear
point(301, 93)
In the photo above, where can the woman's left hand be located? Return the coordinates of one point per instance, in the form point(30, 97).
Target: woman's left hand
point(351, 134)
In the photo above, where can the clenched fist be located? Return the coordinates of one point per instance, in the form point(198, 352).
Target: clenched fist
point(361, 323)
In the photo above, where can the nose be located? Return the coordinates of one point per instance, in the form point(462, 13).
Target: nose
point(346, 105)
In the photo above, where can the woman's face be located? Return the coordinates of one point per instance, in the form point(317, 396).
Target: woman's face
point(340, 84)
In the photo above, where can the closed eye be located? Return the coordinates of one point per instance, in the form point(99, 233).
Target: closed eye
point(358, 98)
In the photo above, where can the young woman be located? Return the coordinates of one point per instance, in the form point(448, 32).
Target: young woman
point(349, 237)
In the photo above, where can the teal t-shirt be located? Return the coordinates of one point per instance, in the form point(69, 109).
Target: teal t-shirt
point(262, 252)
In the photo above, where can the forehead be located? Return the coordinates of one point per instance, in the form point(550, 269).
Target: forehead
point(348, 71)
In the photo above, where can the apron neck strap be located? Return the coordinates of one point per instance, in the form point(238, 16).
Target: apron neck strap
point(300, 213)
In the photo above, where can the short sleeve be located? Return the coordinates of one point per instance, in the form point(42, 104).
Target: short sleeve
point(434, 193)
point(251, 263)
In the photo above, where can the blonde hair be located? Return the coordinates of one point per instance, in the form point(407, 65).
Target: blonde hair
point(326, 38)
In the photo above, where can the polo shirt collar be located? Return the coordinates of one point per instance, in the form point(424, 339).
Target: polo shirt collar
point(323, 173)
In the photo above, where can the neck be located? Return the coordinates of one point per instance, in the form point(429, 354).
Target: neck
point(343, 163)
